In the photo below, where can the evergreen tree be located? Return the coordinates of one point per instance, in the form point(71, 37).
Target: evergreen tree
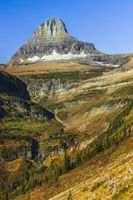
point(66, 163)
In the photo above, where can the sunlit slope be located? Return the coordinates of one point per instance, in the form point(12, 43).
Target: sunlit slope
point(109, 175)
point(52, 67)
point(94, 102)
point(100, 112)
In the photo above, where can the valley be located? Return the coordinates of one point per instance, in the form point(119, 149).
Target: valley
point(102, 102)
point(66, 126)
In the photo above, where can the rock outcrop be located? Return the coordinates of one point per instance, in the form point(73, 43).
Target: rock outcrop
point(53, 31)
point(40, 87)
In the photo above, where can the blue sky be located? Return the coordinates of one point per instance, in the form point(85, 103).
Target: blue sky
point(106, 23)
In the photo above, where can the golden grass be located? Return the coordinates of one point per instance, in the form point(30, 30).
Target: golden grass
point(14, 165)
point(11, 144)
point(48, 67)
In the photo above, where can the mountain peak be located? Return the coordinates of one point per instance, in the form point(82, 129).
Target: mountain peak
point(57, 24)
point(52, 31)
point(51, 36)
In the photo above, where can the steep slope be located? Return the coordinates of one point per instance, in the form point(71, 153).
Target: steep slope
point(97, 114)
point(108, 176)
point(12, 86)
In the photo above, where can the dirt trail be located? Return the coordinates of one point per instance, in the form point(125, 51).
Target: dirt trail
point(60, 121)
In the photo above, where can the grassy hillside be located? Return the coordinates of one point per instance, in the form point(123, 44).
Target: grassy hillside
point(108, 175)
point(79, 148)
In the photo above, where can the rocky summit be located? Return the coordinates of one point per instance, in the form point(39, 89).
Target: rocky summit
point(51, 41)
point(54, 31)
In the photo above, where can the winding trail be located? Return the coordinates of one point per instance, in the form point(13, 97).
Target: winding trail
point(60, 121)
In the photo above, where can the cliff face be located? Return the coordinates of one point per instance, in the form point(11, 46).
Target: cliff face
point(54, 31)
point(15, 100)
point(12, 86)
point(51, 38)
point(40, 87)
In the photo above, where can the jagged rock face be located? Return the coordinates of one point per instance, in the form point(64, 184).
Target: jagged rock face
point(50, 37)
point(40, 87)
point(52, 32)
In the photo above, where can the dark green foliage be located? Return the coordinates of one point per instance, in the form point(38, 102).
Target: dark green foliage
point(66, 164)
point(11, 106)
point(52, 173)
point(77, 160)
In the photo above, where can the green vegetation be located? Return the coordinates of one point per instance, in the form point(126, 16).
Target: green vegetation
point(50, 106)
point(71, 77)
point(126, 91)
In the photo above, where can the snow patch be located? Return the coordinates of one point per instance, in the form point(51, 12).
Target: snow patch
point(33, 59)
point(21, 60)
point(106, 64)
point(56, 56)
